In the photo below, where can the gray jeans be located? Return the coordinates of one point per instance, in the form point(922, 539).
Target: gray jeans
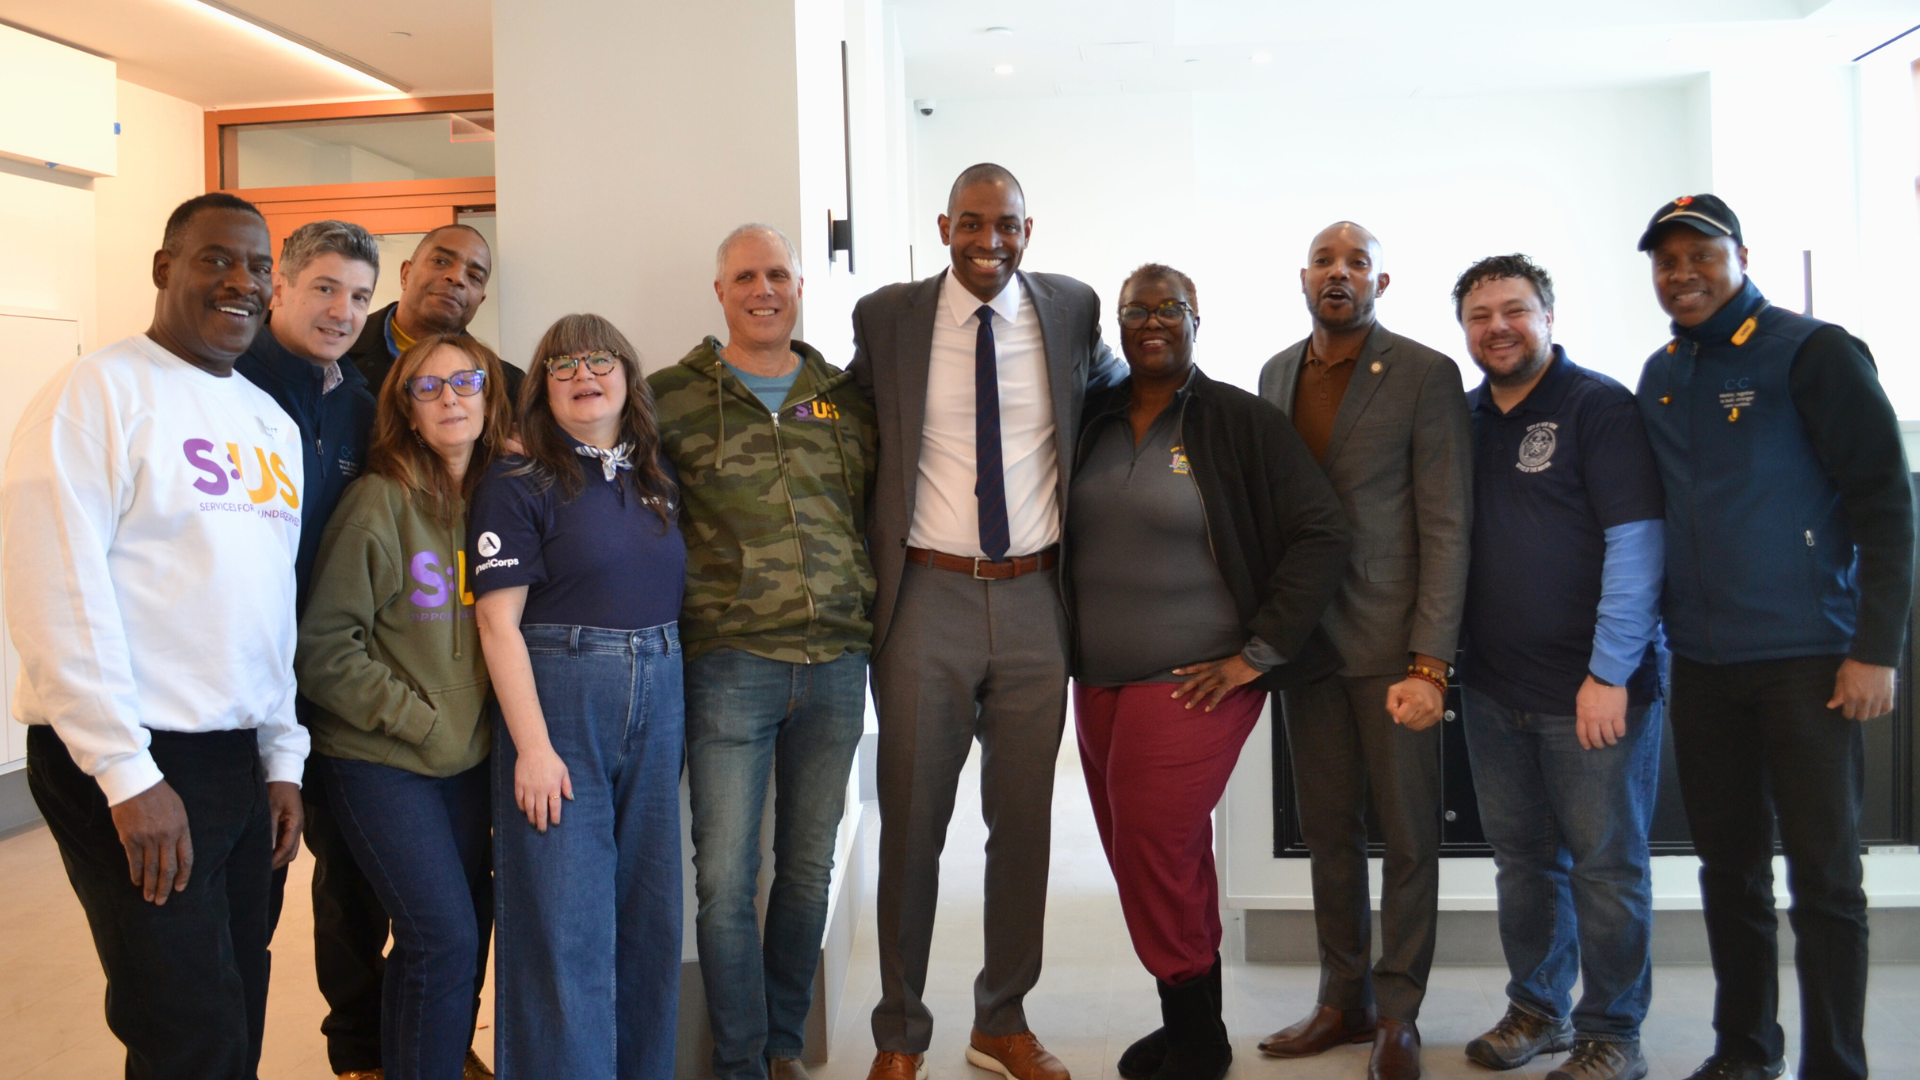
point(966, 660)
point(1345, 746)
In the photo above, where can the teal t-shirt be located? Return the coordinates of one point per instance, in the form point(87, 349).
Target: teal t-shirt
point(772, 391)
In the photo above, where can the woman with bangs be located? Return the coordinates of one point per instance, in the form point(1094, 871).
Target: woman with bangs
point(389, 655)
point(579, 567)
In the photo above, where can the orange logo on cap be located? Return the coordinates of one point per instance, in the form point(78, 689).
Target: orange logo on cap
point(1683, 200)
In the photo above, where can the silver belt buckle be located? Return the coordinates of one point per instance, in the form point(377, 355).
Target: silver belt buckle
point(977, 560)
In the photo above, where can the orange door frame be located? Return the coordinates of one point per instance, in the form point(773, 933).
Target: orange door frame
point(392, 206)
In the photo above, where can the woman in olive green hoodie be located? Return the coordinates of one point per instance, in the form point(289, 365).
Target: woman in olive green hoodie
point(391, 661)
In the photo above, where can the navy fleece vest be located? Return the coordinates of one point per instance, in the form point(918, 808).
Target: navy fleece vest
point(1760, 560)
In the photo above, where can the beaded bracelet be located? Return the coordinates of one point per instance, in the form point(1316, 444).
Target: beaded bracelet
point(1427, 675)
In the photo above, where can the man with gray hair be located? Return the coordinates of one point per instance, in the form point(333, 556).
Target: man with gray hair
point(775, 450)
point(322, 289)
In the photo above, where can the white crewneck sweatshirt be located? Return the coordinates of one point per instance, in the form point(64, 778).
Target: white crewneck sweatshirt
point(149, 518)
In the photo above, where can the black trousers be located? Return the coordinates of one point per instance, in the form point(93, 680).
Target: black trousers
point(1756, 743)
point(187, 981)
point(349, 935)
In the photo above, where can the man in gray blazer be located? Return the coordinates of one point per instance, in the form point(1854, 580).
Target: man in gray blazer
point(1388, 419)
point(978, 375)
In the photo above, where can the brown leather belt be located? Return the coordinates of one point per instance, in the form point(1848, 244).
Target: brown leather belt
point(986, 569)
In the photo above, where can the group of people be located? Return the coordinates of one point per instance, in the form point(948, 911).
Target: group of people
point(463, 626)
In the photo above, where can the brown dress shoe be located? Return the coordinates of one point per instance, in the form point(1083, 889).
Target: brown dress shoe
point(1321, 1031)
point(1396, 1052)
point(889, 1065)
point(1018, 1056)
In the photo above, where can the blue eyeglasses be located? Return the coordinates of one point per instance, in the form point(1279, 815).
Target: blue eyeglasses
point(465, 383)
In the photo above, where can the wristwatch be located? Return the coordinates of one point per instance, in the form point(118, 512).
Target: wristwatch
point(1601, 681)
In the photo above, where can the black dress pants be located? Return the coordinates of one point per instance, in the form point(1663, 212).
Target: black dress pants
point(1756, 743)
point(186, 981)
point(349, 936)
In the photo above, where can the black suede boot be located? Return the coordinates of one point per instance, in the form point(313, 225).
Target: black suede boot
point(1143, 1058)
point(1197, 1046)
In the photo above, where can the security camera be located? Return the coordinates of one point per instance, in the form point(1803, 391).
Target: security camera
point(925, 105)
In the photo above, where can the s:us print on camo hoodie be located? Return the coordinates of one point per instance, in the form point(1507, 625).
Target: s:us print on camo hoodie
point(774, 508)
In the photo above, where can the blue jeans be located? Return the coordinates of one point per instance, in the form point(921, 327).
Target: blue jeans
point(423, 843)
point(587, 914)
point(748, 716)
point(1569, 833)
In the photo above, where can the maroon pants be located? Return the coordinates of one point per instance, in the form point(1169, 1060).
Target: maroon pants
point(1155, 770)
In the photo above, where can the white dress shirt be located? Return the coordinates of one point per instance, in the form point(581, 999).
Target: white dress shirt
point(151, 514)
point(946, 513)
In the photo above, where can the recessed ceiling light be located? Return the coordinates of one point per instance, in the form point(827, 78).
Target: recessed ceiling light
point(1004, 30)
point(1003, 69)
point(398, 34)
point(1261, 57)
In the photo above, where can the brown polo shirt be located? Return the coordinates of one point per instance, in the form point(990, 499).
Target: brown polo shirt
point(1316, 399)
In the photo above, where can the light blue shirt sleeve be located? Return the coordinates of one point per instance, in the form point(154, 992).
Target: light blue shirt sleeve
point(1630, 580)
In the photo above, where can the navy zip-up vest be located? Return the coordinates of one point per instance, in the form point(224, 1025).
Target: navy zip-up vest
point(1760, 560)
point(334, 430)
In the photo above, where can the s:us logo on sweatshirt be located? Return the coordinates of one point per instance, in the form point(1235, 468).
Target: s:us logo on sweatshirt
point(220, 475)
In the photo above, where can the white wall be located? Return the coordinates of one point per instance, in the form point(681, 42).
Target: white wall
point(1231, 187)
point(162, 163)
point(610, 202)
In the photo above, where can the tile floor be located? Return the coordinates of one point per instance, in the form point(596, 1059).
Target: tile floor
point(1092, 1001)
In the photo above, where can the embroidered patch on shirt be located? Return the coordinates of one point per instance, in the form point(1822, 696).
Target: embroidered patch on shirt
point(1179, 462)
point(1536, 448)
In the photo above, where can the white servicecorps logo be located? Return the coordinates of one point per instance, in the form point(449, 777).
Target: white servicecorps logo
point(488, 545)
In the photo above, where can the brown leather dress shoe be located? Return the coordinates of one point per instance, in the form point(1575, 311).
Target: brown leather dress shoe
point(1396, 1052)
point(890, 1065)
point(1321, 1031)
point(1018, 1056)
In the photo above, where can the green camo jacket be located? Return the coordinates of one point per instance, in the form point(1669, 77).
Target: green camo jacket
point(776, 519)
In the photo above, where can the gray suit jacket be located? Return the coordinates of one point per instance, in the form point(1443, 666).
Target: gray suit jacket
point(1401, 460)
point(892, 347)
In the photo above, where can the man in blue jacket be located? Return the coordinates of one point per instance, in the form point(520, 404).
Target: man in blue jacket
point(1790, 548)
point(323, 287)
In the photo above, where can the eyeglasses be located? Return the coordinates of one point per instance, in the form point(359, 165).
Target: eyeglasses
point(600, 362)
point(465, 383)
point(1171, 312)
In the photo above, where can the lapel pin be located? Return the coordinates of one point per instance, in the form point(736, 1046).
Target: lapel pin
point(1377, 365)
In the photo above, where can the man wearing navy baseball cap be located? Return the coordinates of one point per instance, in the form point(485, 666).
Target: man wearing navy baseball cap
point(1790, 553)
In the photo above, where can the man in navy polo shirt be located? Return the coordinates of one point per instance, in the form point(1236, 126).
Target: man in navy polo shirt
point(1560, 677)
point(1790, 538)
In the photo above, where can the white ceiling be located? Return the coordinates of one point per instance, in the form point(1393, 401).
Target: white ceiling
point(1365, 48)
point(1358, 48)
point(184, 48)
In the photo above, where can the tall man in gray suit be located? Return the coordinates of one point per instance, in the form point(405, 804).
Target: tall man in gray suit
point(1388, 420)
point(978, 375)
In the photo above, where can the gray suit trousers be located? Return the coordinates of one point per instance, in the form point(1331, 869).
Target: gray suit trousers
point(1344, 744)
point(966, 660)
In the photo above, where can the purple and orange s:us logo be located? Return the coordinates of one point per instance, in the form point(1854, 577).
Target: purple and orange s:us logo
point(439, 579)
point(273, 473)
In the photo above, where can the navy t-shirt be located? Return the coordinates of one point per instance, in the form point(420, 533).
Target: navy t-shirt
point(602, 558)
point(1549, 478)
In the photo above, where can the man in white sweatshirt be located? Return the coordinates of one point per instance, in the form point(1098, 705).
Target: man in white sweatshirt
point(149, 518)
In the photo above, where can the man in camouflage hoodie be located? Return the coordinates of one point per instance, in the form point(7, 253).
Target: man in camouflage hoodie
point(775, 451)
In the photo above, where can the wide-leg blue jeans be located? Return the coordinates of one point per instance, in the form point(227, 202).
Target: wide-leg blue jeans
point(1569, 833)
point(748, 717)
point(588, 914)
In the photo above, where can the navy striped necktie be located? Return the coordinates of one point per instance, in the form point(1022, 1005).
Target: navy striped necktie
point(990, 480)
